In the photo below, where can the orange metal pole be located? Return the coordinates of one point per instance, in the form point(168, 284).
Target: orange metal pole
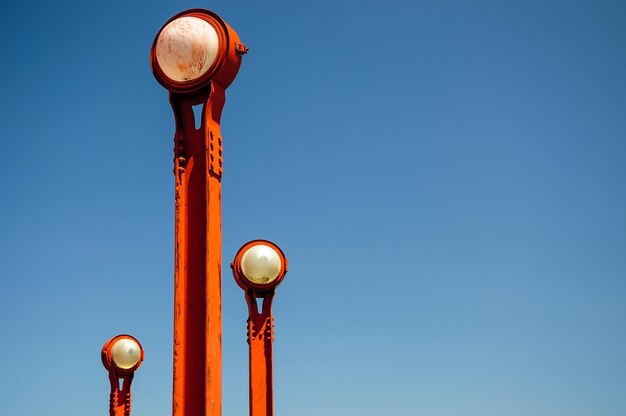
point(260, 325)
point(198, 217)
point(120, 398)
point(260, 339)
point(198, 254)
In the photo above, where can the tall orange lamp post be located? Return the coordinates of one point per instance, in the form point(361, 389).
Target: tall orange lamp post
point(196, 56)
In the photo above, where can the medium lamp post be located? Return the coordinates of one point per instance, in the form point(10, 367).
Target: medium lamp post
point(121, 356)
point(196, 56)
point(259, 267)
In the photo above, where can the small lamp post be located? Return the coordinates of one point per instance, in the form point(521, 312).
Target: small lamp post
point(259, 267)
point(121, 356)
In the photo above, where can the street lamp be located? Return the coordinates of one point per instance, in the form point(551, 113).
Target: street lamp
point(196, 56)
point(121, 356)
point(259, 267)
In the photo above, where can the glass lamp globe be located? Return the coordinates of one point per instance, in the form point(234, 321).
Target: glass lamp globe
point(186, 48)
point(125, 353)
point(261, 264)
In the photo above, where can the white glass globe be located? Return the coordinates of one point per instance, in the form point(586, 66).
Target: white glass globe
point(126, 353)
point(186, 48)
point(261, 264)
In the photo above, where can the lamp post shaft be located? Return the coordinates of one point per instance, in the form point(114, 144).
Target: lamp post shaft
point(260, 339)
point(198, 254)
point(120, 397)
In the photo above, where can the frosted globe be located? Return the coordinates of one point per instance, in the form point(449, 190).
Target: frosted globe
point(186, 48)
point(261, 264)
point(126, 353)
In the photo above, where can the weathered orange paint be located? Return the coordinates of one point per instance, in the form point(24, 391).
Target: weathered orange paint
point(198, 225)
point(120, 397)
point(198, 253)
point(260, 332)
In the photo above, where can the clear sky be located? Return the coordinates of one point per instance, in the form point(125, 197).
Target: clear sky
point(447, 179)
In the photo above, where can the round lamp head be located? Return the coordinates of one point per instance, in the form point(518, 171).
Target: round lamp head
point(186, 48)
point(194, 48)
point(259, 265)
point(122, 353)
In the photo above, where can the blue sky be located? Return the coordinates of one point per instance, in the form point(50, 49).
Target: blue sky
point(446, 178)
